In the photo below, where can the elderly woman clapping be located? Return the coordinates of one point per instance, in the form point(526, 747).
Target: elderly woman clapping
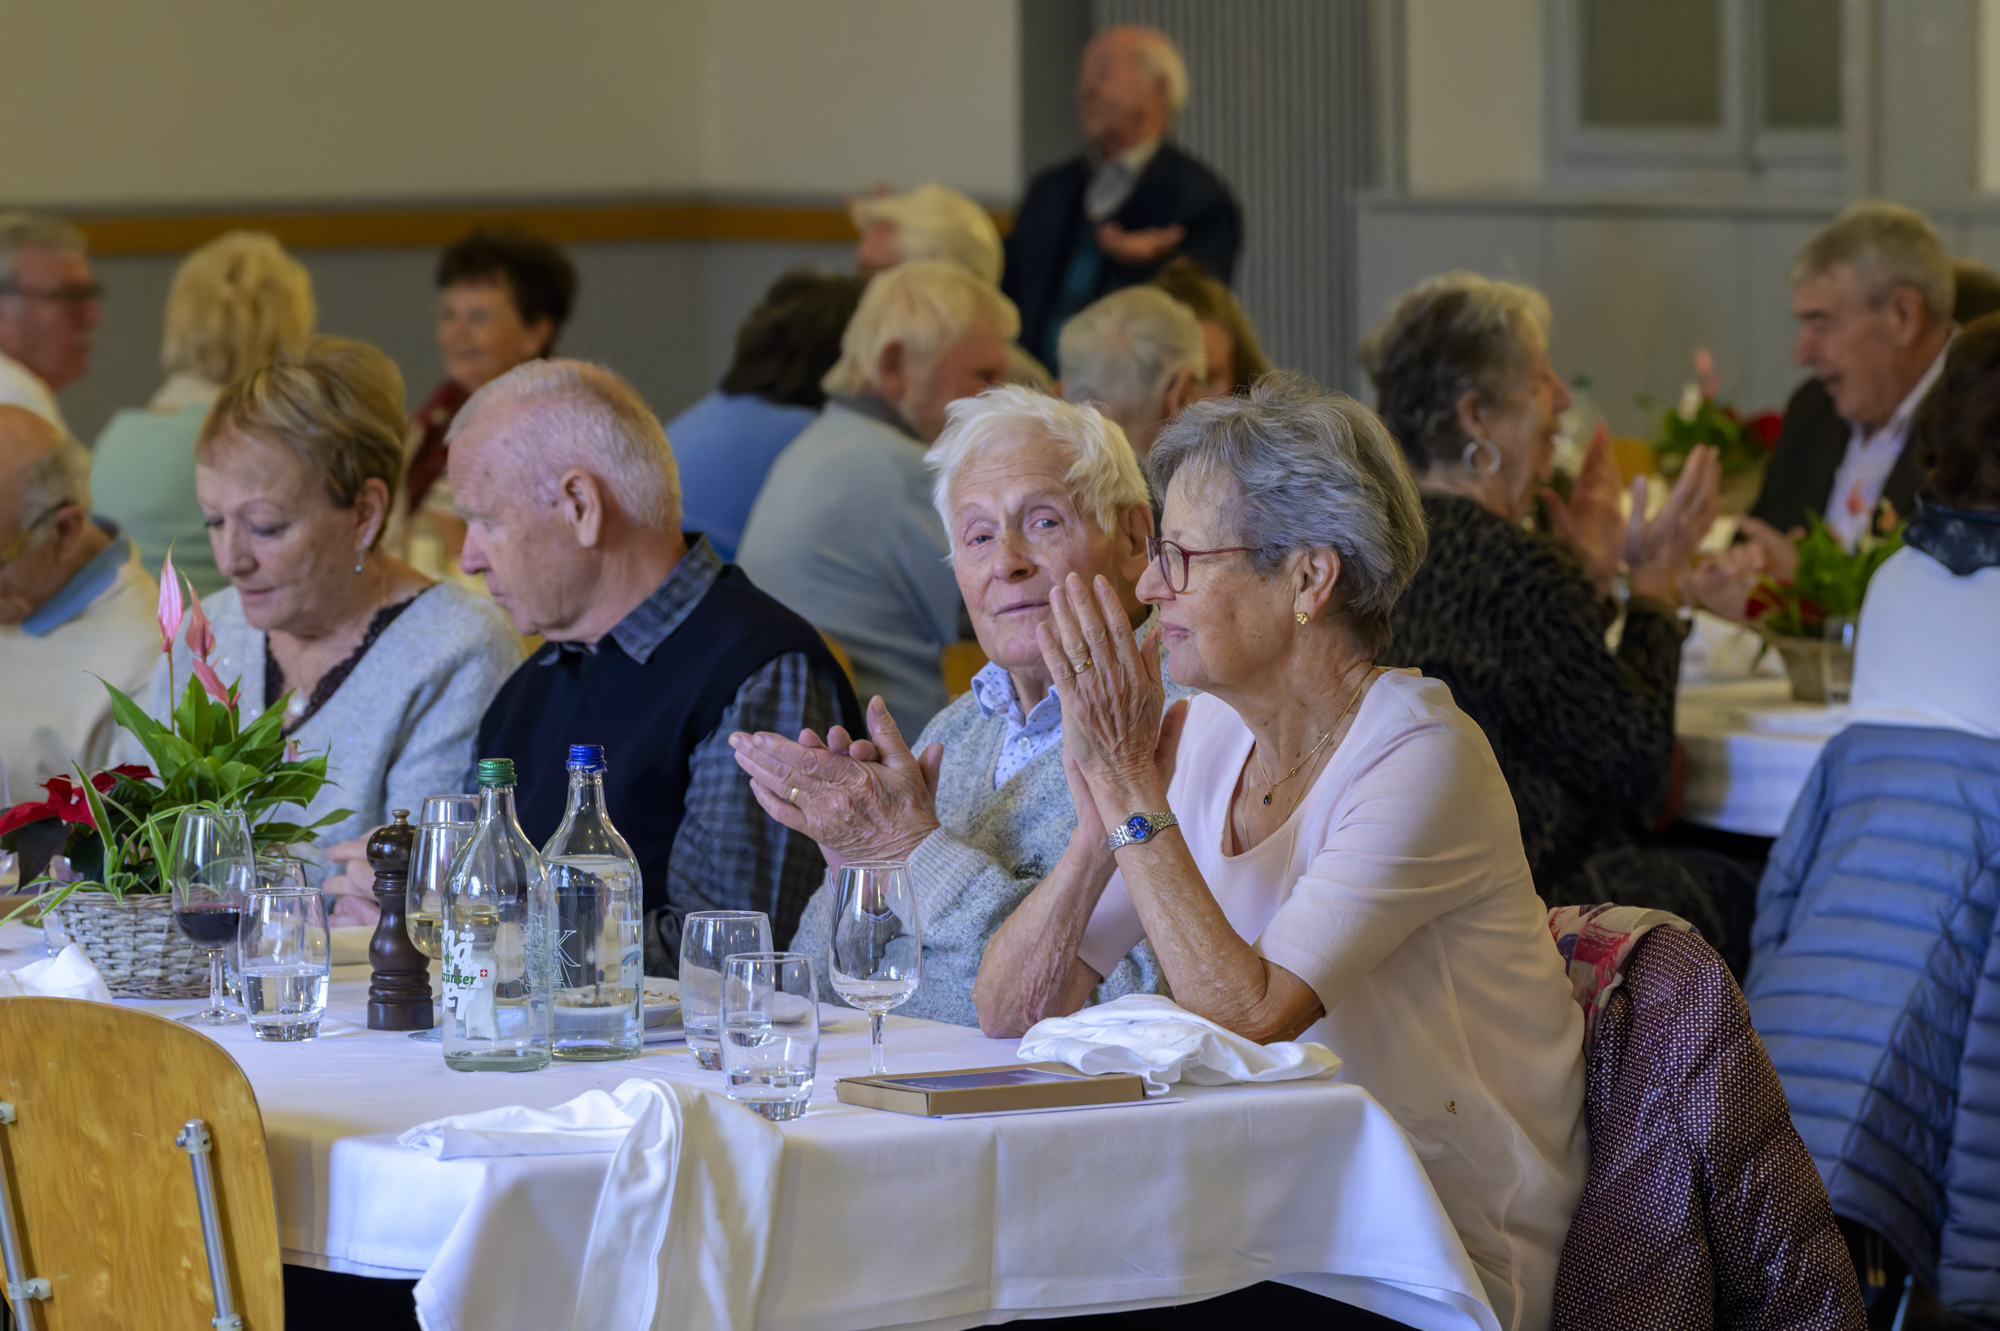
point(1329, 851)
point(1515, 623)
point(378, 667)
point(1031, 490)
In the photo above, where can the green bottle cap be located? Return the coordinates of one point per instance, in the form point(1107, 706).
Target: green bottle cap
point(496, 772)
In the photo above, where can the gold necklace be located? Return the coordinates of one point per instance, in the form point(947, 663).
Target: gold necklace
point(1326, 735)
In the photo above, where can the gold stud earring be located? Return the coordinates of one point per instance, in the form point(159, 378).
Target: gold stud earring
point(1303, 617)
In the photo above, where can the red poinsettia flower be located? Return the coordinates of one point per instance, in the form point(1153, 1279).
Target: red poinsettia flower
point(1764, 427)
point(66, 800)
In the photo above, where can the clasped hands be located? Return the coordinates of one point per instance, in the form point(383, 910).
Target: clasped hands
point(860, 799)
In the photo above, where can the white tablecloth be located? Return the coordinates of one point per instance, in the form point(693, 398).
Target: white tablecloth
point(1749, 751)
point(883, 1219)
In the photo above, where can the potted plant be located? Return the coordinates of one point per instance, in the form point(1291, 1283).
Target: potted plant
point(114, 830)
point(1742, 444)
point(1826, 588)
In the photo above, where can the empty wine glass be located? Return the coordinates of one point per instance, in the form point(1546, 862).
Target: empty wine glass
point(878, 944)
point(446, 826)
point(212, 866)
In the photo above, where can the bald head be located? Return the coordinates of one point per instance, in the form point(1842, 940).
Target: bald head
point(45, 530)
point(1130, 85)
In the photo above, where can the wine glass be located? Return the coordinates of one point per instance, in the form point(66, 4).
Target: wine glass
point(446, 826)
point(878, 944)
point(212, 866)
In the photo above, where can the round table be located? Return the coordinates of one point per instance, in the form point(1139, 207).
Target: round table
point(1749, 750)
point(882, 1219)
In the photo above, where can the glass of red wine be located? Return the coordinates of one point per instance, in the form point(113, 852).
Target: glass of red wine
point(214, 864)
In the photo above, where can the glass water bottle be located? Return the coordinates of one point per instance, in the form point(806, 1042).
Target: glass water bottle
point(499, 933)
point(600, 977)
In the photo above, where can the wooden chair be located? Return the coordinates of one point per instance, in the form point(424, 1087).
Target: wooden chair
point(840, 655)
point(103, 1197)
point(960, 661)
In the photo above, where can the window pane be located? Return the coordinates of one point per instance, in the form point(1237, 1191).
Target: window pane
point(1802, 64)
point(1652, 63)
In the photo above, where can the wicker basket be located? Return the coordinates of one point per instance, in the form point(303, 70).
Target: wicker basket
point(135, 944)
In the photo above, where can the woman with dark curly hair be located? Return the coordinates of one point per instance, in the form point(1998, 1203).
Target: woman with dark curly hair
point(1516, 623)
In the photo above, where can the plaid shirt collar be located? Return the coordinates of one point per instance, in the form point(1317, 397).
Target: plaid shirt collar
point(654, 619)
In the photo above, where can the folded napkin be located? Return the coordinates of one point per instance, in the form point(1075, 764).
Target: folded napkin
point(1165, 1043)
point(68, 974)
point(682, 1231)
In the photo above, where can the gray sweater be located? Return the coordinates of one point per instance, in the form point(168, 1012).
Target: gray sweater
point(992, 848)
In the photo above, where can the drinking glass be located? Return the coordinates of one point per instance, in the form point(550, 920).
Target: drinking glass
point(211, 867)
point(285, 953)
point(447, 824)
point(878, 944)
point(1837, 659)
point(770, 1031)
point(708, 938)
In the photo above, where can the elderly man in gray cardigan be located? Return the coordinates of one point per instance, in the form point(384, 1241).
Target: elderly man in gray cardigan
point(1030, 489)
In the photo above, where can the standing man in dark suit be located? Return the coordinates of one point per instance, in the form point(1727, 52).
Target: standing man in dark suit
point(1873, 296)
point(1111, 217)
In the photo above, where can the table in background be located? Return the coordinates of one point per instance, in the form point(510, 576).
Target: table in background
point(883, 1219)
point(1749, 750)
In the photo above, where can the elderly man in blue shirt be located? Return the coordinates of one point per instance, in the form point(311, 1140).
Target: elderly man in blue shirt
point(76, 609)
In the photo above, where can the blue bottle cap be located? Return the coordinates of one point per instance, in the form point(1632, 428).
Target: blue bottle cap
point(588, 757)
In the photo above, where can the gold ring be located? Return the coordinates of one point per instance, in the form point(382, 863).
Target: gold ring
point(793, 798)
point(1087, 664)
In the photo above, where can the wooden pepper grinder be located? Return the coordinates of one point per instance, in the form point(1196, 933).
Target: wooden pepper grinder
point(399, 990)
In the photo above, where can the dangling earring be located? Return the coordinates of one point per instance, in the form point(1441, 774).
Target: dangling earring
point(357, 563)
point(1303, 617)
point(1472, 450)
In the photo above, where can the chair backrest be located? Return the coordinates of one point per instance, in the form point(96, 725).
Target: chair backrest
point(959, 662)
point(1701, 1207)
point(103, 1199)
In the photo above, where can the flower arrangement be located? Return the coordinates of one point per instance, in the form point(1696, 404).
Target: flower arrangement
point(1828, 584)
point(1701, 418)
point(116, 827)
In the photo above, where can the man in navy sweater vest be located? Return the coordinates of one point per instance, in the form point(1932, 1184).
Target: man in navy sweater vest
point(655, 648)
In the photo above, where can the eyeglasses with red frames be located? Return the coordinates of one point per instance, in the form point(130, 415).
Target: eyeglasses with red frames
point(1173, 559)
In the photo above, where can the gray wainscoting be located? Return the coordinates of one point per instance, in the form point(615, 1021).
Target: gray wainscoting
point(661, 313)
point(1635, 284)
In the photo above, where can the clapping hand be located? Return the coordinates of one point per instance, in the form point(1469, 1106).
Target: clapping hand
point(860, 799)
point(1589, 522)
point(1661, 548)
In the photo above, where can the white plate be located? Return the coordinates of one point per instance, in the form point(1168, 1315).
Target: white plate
point(662, 1003)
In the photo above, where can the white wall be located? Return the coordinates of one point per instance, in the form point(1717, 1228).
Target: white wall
point(132, 103)
point(1473, 89)
point(1988, 96)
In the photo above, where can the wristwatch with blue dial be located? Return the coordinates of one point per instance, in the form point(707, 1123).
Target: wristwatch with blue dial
point(1140, 827)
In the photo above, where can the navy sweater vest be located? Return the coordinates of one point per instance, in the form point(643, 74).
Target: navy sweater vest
point(650, 717)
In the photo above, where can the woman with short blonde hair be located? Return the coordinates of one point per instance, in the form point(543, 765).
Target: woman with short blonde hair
point(236, 304)
point(378, 667)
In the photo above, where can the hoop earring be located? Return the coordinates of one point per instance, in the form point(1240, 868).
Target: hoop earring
point(1472, 450)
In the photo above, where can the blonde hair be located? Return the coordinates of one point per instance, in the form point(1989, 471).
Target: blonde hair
point(933, 222)
point(587, 417)
point(926, 305)
point(237, 304)
point(1103, 476)
point(336, 403)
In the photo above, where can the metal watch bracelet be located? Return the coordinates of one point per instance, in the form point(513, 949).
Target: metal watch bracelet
point(1140, 827)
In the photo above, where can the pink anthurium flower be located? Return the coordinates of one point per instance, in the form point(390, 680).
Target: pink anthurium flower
point(200, 637)
point(211, 682)
point(171, 605)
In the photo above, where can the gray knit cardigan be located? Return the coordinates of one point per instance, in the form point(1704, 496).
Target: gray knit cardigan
point(991, 849)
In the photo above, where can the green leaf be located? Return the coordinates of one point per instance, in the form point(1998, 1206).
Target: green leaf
point(168, 751)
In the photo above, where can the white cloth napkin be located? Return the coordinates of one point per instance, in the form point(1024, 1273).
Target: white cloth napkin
point(68, 974)
point(682, 1231)
point(1162, 1041)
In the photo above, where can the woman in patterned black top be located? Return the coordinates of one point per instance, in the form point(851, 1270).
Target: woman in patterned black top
point(1515, 623)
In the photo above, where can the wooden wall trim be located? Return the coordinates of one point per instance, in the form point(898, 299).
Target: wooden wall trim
point(566, 224)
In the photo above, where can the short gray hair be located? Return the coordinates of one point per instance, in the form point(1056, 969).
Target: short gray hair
point(1447, 336)
point(936, 222)
point(58, 478)
point(1158, 59)
point(1887, 246)
point(587, 417)
point(927, 305)
point(21, 231)
point(1307, 470)
point(1121, 350)
point(1104, 472)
